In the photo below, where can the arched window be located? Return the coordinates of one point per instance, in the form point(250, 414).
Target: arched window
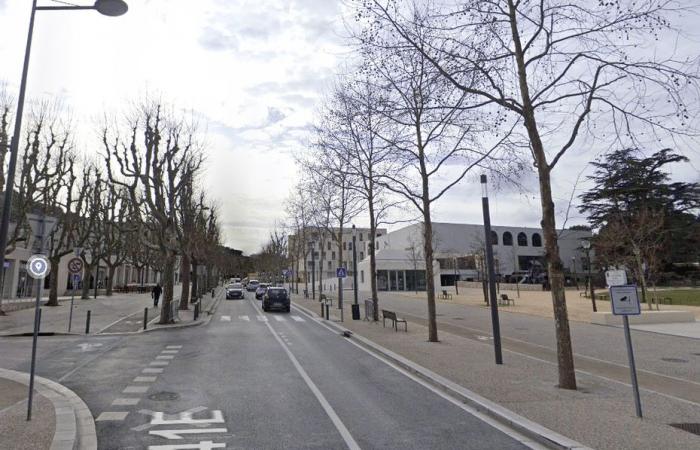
point(536, 240)
point(494, 238)
point(522, 239)
point(507, 238)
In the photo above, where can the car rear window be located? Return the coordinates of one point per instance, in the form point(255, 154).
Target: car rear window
point(276, 291)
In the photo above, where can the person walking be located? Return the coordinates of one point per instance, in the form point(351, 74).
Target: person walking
point(155, 293)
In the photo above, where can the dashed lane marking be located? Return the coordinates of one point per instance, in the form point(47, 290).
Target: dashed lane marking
point(145, 379)
point(159, 363)
point(152, 370)
point(262, 318)
point(135, 390)
point(170, 351)
point(225, 318)
point(244, 318)
point(279, 318)
point(165, 356)
point(110, 415)
point(126, 401)
point(174, 347)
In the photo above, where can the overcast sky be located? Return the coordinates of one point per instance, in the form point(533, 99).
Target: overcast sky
point(252, 71)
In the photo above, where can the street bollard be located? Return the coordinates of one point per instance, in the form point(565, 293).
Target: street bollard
point(212, 293)
point(328, 311)
point(145, 317)
point(87, 323)
point(322, 313)
point(196, 311)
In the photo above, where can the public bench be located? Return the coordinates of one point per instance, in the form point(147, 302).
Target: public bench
point(446, 295)
point(505, 300)
point(395, 320)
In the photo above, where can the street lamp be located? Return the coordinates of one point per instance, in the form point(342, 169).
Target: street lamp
point(354, 263)
point(573, 270)
point(492, 276)
point(586, 244)
point(313, 271)
point(105, 7)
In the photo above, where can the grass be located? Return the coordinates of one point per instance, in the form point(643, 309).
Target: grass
point(678, 296)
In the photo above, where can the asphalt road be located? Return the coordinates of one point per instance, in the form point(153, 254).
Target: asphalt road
point(253, 380)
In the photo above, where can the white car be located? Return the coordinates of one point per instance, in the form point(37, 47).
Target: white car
point(252, 285)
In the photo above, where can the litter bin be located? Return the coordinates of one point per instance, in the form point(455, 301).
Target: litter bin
point(355, 312)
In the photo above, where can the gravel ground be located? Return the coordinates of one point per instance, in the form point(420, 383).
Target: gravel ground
point(14, 431)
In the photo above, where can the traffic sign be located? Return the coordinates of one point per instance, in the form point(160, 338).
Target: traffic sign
point(624, 300)
point(38, 267)
point(615, 277)
point(340, 272)
point(75, 265)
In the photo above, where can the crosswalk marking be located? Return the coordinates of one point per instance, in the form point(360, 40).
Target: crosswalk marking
point(245, 318)
point(173, 346)
point(262, 318)
point(279, 318)
point(297, 318)
point(225, 318)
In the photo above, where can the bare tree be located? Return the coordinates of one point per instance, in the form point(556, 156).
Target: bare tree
point(156, 173)
point(565, 71)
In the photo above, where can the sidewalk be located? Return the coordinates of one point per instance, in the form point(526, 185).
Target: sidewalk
point(60, 420)
point(600, 414)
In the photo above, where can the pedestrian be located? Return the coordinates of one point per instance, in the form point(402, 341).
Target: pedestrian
point(155, 293)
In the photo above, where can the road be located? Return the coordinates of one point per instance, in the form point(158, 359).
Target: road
point(253, 380)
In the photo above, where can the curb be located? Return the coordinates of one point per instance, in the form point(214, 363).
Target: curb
point(535, 431)
point(204, 321)
point(75, 427)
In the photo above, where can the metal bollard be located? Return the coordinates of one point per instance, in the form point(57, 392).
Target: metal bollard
point(328, 311)
point(322, 313)
point(212, 293)
point(145, 318)
point(196, 311)
point(87, 323)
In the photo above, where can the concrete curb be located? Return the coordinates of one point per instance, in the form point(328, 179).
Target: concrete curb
point(75, 427)
point(205, 321)
point(535, 431)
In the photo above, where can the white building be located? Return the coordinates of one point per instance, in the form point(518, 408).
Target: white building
point(458, 250)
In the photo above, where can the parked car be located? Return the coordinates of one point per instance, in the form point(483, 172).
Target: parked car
point(234, 291)
point(252, 285)
point(276, 298)
point(260, 291)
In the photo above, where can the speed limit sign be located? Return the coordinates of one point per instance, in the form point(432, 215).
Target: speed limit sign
point(75, 265)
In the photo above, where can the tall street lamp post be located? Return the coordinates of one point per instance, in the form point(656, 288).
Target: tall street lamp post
point(111, 8)
point(573, 270)
point(354, 264)
point(456, 277)
point(492, 277)
point(313, 271)
point(586, 244)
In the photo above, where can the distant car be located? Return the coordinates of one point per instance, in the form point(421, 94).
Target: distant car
point(260, 291)
point(234, 291)
point(276, 298)
point(252, 285)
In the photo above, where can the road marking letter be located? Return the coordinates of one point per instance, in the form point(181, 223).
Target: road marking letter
point(204, 445)
point(176, 434)
point(186, 419)
point(225, 318)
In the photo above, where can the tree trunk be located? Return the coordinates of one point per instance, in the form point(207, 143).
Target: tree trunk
point(53, 282)
point(429, 279)
point(185, 268)
point(340, 264)
point(195, 281)
point(168, 287)
point(111, 269)
point(85, 295)
point(373, 260)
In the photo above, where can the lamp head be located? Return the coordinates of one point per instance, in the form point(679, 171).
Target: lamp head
point(586, 244)
point(111, 8)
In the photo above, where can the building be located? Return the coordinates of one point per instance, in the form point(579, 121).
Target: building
point(327, 256)
point(458, 255)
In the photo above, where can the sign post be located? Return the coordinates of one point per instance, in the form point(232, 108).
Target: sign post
point(341, 273)
point(75, 266)
point(625, 302)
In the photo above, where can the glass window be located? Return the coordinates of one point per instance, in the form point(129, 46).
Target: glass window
point(360, 237)
point(329, 265)
point(536, 240)
point(393, 286)
point(333, 255)
point(507, 238)
point(382, 280)
point(494, 238)
point(329, 245)
point(522, 239)
point(362, 255)
point(345, 245)
point(349, 245)
point(400, 280)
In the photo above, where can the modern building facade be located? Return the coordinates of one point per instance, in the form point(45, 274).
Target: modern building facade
point(458, 255)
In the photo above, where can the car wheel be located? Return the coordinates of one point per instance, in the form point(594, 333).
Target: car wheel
point(289, 309)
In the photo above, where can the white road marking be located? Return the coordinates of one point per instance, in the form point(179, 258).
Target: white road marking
point(176, 434)
point(159, 363)
point(185, 418)
point(145, 379)
point(135, 389)
point(244, 318)
point(165, 356)
point(262, 318)
point(170, 351)
point(203, 445)
point(148, 412)
point(126, 401)
point(174, 346)
point(297, 318)
point(279, 318)
point(86, 347)
point(225, 318)
point(339, 425)
point(109, 415)
point(152, 370)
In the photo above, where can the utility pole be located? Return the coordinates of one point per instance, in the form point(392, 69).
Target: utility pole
point(492, 278)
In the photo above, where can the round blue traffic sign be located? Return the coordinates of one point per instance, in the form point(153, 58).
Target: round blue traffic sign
point(38, 267)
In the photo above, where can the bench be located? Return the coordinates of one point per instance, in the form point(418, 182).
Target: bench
point(395, 320)
point(445, 295)
point(325, 298)
point(505, 300)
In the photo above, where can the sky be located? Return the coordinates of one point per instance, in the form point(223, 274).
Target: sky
point(253, 73)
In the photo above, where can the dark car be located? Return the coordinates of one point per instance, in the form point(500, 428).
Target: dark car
point(234, 291)
point(276, 298)
point(260, 291)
